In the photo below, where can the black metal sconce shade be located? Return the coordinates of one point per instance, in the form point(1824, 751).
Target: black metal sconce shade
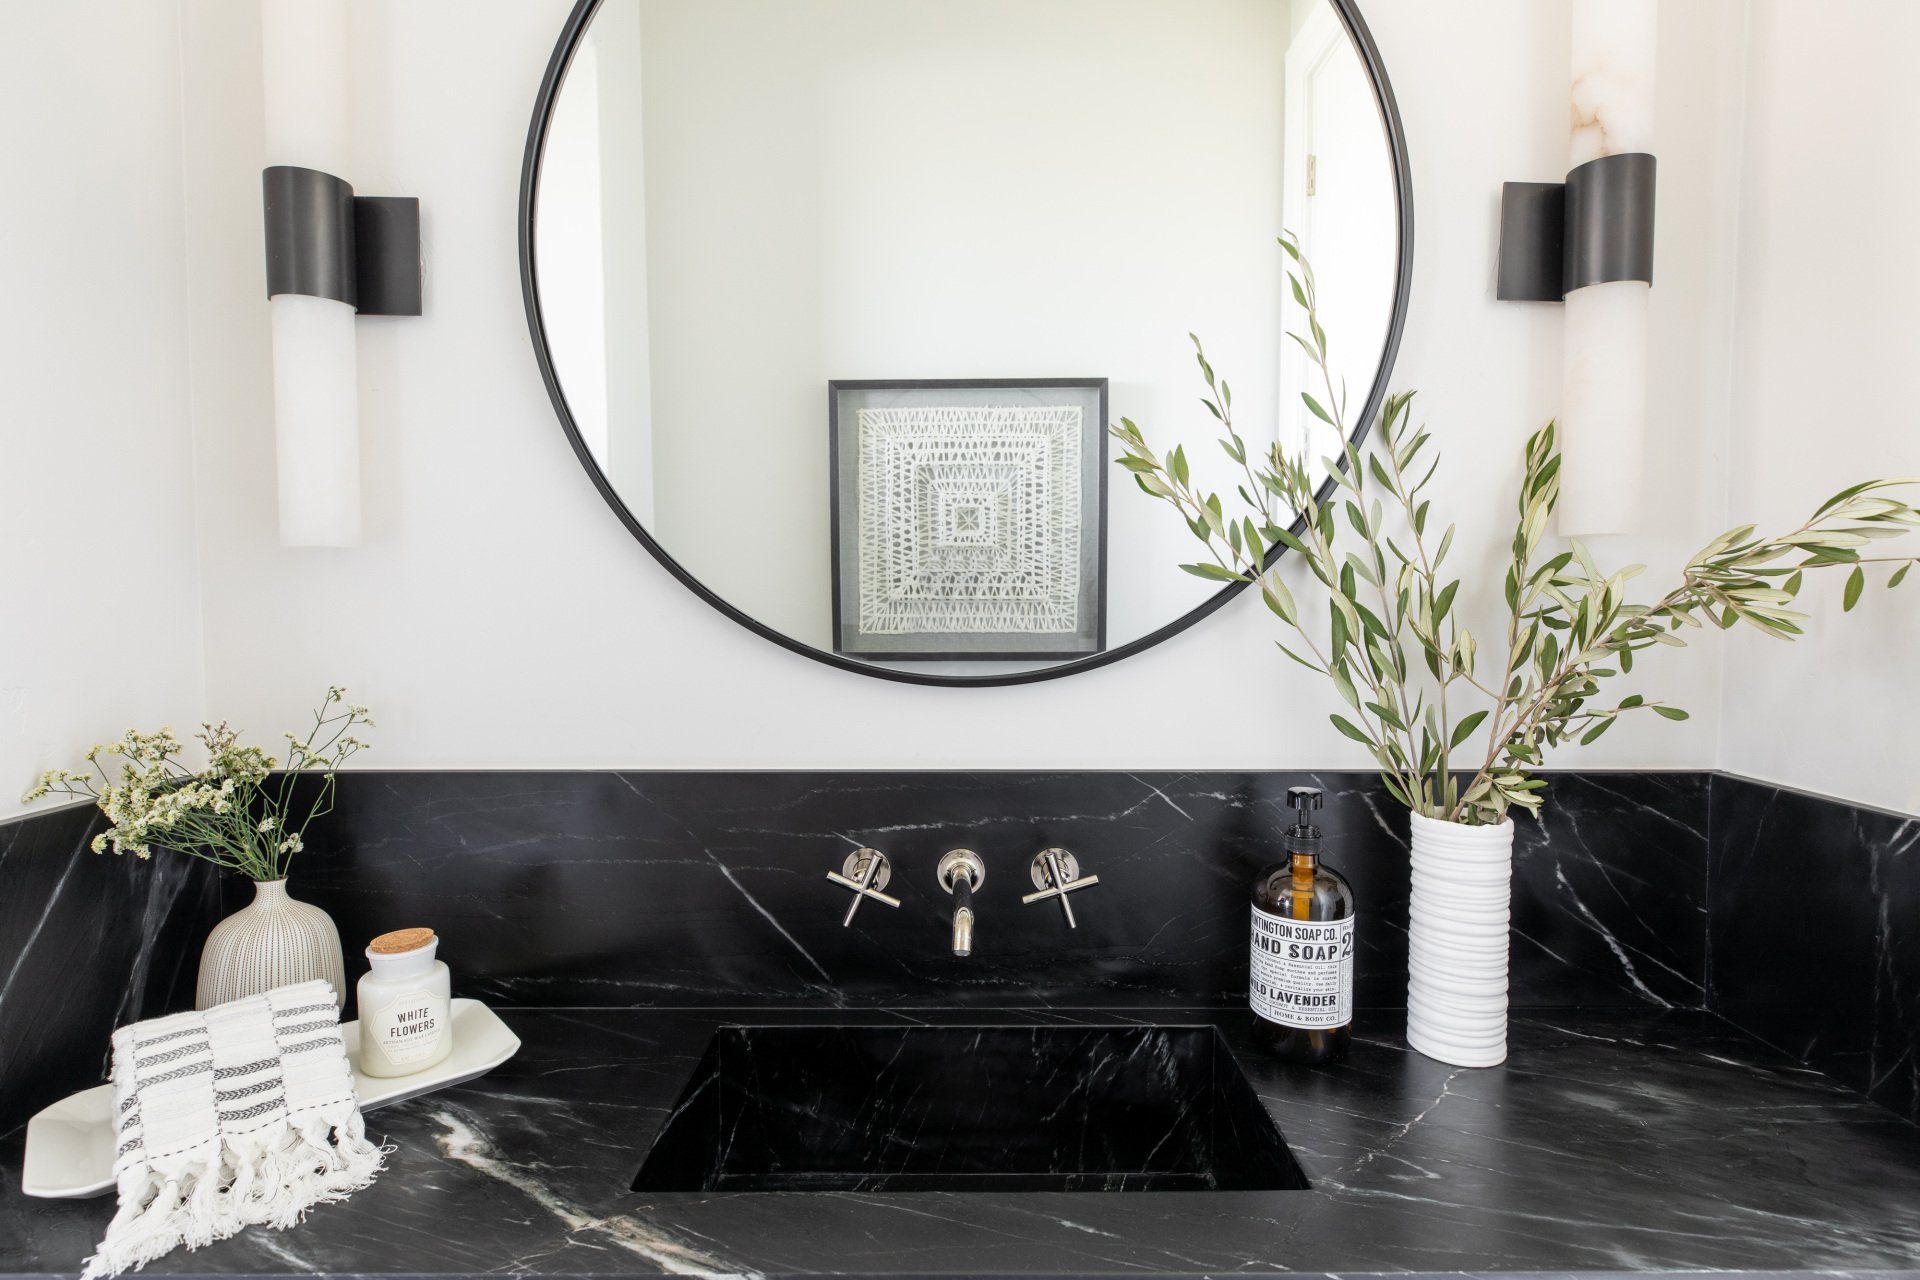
point(1596, 226)
point(326, 242)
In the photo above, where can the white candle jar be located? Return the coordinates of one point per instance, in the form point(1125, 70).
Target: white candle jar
point(406, 1022)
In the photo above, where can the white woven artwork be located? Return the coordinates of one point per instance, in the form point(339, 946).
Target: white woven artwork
point(970, 520)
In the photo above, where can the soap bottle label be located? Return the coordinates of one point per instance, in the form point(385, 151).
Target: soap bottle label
point(1302, 971)
point(408, 1028)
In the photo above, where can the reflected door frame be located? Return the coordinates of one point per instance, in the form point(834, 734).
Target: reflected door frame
point(1320, 38)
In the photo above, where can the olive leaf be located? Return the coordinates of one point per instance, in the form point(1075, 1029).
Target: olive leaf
point(1392, 643)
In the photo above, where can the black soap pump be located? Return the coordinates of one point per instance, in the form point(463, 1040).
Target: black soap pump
point(1300, 984)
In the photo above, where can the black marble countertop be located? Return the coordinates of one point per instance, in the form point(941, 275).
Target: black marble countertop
point(1609, 1142)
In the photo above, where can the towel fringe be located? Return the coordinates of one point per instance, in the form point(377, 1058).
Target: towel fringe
point(269, 1178)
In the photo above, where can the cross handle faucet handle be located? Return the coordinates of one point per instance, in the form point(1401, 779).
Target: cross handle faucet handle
point(866, 872)
point(1056, 873)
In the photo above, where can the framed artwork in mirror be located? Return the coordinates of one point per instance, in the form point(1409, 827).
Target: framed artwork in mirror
point(969, 518)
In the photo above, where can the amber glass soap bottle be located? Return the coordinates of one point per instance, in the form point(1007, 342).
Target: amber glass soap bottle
point(1300, 984)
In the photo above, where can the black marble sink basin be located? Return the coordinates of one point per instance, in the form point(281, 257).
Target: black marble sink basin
point(1121, 1108)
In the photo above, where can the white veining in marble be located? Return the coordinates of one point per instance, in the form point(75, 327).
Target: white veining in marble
point(461, 1141)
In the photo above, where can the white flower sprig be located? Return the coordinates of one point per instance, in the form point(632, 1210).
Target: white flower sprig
point(235, 813)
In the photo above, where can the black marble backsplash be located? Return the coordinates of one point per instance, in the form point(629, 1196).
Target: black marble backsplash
point(1815, 933)
point(87, 942)
point(559, 888)
point(695, 888)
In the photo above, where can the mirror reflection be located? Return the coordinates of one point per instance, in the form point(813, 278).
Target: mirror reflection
point(842, 294)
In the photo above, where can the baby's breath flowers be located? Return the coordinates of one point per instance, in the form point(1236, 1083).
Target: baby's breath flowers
point(236, 812)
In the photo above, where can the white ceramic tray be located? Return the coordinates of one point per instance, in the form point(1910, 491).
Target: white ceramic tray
point(70, 1145)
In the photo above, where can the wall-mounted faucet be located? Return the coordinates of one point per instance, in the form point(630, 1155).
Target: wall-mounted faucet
point(866, 872)
point(1056, 873)
point(961, 872)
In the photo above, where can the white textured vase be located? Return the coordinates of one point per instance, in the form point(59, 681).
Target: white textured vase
point(270, 942)
point(1457, 941)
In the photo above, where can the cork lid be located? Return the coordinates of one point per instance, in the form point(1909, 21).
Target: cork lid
point(400, 941)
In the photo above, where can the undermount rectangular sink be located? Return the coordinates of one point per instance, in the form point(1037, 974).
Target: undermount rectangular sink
point(1121, 1108)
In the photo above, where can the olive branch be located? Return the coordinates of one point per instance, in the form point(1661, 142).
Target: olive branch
point(1409, 671)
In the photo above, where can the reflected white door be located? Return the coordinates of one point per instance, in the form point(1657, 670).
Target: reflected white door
point(1338, 200)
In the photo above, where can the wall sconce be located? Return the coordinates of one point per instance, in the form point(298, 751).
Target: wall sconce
point(330, 255)
point(1589, 241)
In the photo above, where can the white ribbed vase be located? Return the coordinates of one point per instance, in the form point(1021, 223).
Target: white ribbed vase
point(1457, 941)
point(270, 942)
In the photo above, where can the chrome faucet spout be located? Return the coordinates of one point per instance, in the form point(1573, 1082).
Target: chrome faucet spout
point(961, 872)
point(963, 917)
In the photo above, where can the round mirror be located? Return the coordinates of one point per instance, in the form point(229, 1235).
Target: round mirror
point(837, 298)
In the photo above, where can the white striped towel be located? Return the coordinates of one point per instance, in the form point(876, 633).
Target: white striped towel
point(238, 1116)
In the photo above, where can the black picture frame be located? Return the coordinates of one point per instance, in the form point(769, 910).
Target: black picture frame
point(573, 32)
point(843, 522)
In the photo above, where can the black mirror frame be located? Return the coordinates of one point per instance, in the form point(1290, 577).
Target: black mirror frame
point(550, 84)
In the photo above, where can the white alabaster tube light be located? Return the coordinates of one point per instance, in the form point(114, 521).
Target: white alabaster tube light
point(1603, 414)
point(315, 369)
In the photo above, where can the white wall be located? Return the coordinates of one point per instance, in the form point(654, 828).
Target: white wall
point(499, 615)
point(1822, 391)
point(569, 245)
point(624, 206)
point(100, 620)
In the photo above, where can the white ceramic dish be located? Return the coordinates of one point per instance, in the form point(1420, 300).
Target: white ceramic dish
point(70, 1144)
